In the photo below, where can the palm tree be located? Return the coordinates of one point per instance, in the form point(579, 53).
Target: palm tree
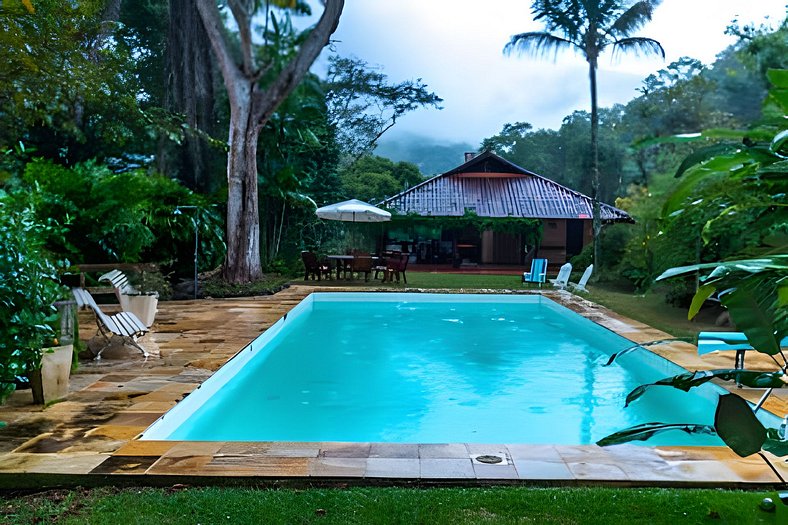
point(589, 27)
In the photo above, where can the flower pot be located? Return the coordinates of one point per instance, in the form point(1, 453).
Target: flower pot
point(141, 305)
point(50, 382)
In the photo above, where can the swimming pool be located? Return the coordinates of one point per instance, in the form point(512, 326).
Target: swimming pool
point(433, 368)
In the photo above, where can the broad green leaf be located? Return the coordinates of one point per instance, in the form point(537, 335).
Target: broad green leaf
point(777, 447)
point(704, 154)
point(672, 139)
point(648, 430)
point(753, 315)
point(779, 141)
point(782, 295)
point(774, 262)
point(681, 270)
point(779, 98)
point(774, 443)
point(703, 293)
point(737, 425)
point(776, 167)
point(683, 191)
point(685, 382)
point(639, 346)
point(778, 77)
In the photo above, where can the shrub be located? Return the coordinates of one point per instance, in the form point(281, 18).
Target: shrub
point(28, 288)
point(121, 217)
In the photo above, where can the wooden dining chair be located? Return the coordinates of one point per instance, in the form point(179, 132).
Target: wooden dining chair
point(362, 264)
point(313, 267)
point(381, 266)
point(396, 267)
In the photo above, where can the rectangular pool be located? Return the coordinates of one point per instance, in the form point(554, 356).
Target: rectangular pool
point(433, 368)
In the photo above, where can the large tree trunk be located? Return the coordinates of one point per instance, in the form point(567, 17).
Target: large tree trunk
point(597, 212)
point(243, 220)
point(250, 108)
point(189, 90)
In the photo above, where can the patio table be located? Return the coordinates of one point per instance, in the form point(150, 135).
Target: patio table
point(343, 261)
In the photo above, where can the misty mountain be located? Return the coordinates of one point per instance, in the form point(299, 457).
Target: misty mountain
point(430, 155)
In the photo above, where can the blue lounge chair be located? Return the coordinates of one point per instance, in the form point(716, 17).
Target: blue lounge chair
point(717, 341)
point(538, 273)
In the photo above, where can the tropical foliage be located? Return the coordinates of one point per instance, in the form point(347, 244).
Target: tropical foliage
point(755, 292)
point(123, 217)
point(66, 88)
point(82, 85)
point(743, 191)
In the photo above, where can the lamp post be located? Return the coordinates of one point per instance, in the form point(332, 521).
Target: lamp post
point(196, 222)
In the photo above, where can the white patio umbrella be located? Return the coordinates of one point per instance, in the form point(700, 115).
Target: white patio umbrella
point(353, 210)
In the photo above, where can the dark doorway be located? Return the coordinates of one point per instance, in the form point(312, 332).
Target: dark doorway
point(574, 237)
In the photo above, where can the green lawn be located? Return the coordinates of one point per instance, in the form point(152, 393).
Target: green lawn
point(652, 310)
point(393, 505)
point(458, 281)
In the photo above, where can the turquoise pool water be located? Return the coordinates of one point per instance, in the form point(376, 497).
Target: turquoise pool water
point(433, 368)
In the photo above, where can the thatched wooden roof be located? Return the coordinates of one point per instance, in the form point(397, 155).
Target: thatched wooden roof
point(491, 186)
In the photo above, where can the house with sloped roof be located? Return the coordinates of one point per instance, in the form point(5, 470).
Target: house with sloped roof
point(489, 186)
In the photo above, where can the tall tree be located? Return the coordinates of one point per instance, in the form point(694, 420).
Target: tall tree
point(589, 27)
point(66, 88)
point(189, 90)
point(252, 103)
point(363, 104)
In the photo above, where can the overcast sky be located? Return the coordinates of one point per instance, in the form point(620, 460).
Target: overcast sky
point(455, 47)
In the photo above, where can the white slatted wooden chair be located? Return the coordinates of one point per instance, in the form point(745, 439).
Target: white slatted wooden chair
point(119, 282)
point(123, 324)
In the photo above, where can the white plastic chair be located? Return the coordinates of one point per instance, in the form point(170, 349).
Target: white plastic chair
point(562, 280)
point(580, 286)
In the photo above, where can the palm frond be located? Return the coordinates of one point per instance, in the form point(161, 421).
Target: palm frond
point(638, 46)
point(645, 431)
point(633, 18)
point(538, 44)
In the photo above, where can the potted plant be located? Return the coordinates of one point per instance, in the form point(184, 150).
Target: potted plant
point(49, 376)
point(142, 298)
point(29, 287)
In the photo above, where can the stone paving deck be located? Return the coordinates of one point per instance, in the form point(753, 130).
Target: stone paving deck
point(90, 437)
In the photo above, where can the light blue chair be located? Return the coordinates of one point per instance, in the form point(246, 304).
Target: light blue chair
point(720, 341)
point(538, 273)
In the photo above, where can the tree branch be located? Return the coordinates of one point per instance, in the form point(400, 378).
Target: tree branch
point(266, 102)
point(242, 12)
point(215, 30)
